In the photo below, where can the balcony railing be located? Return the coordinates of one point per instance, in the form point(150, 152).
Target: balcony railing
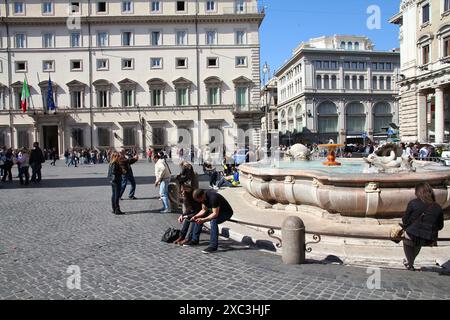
point(246, 9)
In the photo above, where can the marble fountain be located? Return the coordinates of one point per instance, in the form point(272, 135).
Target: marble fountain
point(379, 186)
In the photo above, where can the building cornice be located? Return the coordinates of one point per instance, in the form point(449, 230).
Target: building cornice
point(426, 76)
point(160, 19)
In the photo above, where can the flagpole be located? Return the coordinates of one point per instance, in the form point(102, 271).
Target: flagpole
point(39, 81)
point(31, 96)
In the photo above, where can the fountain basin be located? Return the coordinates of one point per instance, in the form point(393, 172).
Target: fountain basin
point(346, 190)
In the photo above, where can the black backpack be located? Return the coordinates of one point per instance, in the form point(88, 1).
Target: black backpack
point(170, 235)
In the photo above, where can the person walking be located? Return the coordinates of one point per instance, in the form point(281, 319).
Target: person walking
point(128, 176)
point(218, 210)
point(162, 175)
point(422, 221)
point(53, 157)
point(115, 176)
point(36, 161)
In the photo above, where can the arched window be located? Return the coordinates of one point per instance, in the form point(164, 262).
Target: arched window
point(290, 120)
point(374, 83)
point(319, 82)
point(333, 82)
point(354, 82)
point(343, 45)
point(326, 84)
point(355, 118)
point(349, 46)
point(328, 117)
point(381, 81)
point(357, 46)
point(299, 118)
point(361, 83)
point(347, 82)
point(382, 117)
point(283, 121)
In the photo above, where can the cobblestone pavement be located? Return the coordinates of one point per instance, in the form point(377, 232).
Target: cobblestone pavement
point(66, 220)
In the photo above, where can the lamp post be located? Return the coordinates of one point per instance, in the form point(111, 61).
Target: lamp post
point(266, 72)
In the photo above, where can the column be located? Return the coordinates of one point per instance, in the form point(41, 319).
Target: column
point(421, 117)
point(342, 131)
point(369, 119)
point(439, 115)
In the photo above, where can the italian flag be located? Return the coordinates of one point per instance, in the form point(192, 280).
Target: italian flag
point(25, 96)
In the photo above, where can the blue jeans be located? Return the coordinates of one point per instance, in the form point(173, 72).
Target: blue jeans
point(214, 238)
point(125, 179)
point(164, 193)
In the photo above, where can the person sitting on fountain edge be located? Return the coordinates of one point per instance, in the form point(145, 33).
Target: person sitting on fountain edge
point(219, 211)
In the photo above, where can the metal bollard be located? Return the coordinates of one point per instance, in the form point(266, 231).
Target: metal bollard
point(293, 237)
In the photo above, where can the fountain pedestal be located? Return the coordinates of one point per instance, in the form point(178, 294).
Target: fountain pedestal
point(331, 154)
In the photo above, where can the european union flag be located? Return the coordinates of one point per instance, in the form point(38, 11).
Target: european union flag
point(50, 100)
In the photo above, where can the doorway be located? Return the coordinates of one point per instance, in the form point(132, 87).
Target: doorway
point(51, 137)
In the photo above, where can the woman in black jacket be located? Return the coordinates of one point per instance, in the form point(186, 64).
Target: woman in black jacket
point(115, 174)
point(421, 222)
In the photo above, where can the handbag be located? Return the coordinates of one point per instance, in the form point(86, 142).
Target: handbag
point(397, 233)
point(170, 235)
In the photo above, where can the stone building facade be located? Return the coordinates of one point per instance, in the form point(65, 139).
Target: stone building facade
point(130, 73)
point(425, 70)
point(338, 88)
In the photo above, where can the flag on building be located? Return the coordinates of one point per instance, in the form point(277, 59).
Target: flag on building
point(50, 100)
point(24, 96)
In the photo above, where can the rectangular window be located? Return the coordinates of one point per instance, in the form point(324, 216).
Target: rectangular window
point(23, 138)
point(77, 137)
point(75, 40)
point(213, 96)
point(446, 5)
point(426, 13)
point(47, 8)
point(48, 40)
point(240, 6)
point(211, 37)
point(181, 63)
point(381, 66)
point(326, 65)
point(75, 99)
point(181, 6)
point(156, 38)
point(19, 7)
point(212, 62)
point(210, 6)
point(447, 46)
point(102, 39)
point(354, 65)
point(241, 61)
point(240, 37)
point(388, 66)
point(74, 7)
point(102, 99)
point(334, 65)
point(127, 7)
point(48, 66)
point(156, 63)
point(102, 64)
point(127, 64)
point(127, 98)
point(129, 137)
point(374, 66)
point(127, 37)
point(104, 137)
point(181, 38)
point(155, 6)
point(182, 96)
point(20, 40)
point(156, 97)
point(241, 96)
point(158, 136)
point(426, 54)
point(21, 66)
point(101, 7)
point(76, 65)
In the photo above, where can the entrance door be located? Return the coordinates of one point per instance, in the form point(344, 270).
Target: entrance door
point(51, 137)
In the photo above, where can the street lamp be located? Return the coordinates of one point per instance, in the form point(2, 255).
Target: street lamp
point(266, 71)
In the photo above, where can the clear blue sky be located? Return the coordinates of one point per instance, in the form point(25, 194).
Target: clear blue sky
point(289, 22)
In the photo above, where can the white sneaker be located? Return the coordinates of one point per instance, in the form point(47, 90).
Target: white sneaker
point(216, 188)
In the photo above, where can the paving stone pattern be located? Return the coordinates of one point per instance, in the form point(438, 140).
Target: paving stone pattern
point(66, 220)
